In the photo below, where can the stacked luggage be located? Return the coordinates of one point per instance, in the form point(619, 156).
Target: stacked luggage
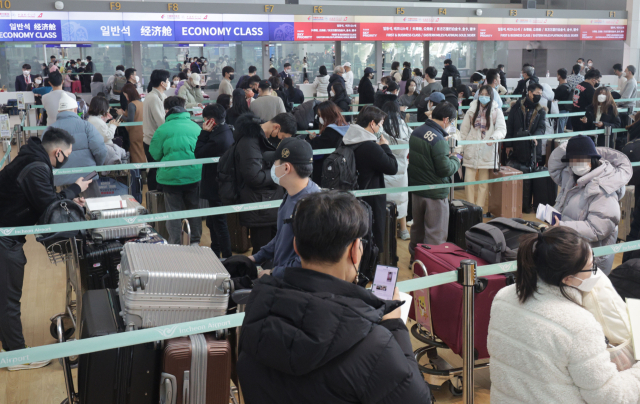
point(116, 207)
point(159, 285)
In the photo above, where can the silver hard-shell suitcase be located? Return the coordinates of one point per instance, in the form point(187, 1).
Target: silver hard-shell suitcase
point(168, 284)
point(155, 204)
point(120, 232)
point(131, 207)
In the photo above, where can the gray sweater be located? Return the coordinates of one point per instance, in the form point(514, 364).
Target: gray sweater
point(266, 107)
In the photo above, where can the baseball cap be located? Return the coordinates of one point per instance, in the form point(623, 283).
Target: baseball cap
point(436, 97)
point(392, 86)
point(369, 70)
point(67, 102)
point(195, 77)
point(346, 64)
point(291, 150)
point(264, 84)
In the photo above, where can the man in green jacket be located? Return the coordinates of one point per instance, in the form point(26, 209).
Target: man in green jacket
point(176, 140)
point(430, 162)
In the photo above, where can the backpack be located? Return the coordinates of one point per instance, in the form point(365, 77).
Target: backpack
point(227, 179)
point(498, 240)
point(370, 251)
point(339, 169)
point(457, 80)
point(118, 83)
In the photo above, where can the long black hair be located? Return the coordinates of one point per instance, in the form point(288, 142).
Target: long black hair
point(239, 102)
point(392, 122)
point(406, 87)
point(406, 74)
point(488, 112)
point(550, 256)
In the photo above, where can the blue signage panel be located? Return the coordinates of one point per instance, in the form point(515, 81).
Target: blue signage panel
point(246, 31)
point(93, 31)
point(149, 31)
point(199, 31)
point(31, 30)
point(281, 31)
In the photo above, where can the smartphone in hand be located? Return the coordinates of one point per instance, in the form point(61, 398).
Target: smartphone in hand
point(384, 282)
point(91, 176)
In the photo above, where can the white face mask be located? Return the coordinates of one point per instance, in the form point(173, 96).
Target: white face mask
point(188, 74)
point(38, 81)
point(602, 98)
point(176, 81)
point(321, 121)
point(26, 72)
point(586, 285)
point(380, 86)
point(137, 79)
point(590, 64)
point(581, 169)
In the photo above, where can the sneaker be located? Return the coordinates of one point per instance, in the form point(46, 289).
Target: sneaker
point(410, 223)
point(26, 366)
point(404, 234)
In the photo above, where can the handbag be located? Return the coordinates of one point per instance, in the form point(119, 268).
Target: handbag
point(59, 212)
point(610, 311)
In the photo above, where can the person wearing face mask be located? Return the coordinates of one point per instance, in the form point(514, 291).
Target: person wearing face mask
point(390, 94)
point(589, 66)
point(591, 181)
point(175, 140)
point(371, 339)
point(484, 121)
point(39, 89)
point(409, 98)
point(431, 86)
point(366, 92)
point(291, 169)
point(528, 77)
point(153, 115)
point(98, 117)
point(286, 72)
point(253, 138)
point(341, 99)
point(338, 72)
point(601, 113)
point(526, 118)
point(227, 77)
point(583, 96)
point(580, 62)
point(333, 127)
point(27, 190)
point(544, 342)
point(191, 91)
point(492, 79)
point(348, 78)
point(89, 150)
point(23, 80)
point(431, 162)
point(321, 84)
point(374, 159)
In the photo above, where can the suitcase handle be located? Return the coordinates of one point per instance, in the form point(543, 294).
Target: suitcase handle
point(185, 388)
point(168, 389)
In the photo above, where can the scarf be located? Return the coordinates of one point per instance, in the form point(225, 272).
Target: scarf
point(481, 120)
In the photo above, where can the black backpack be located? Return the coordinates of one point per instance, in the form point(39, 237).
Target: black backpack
point(457, 80)
point(370, 251)
point(227, 179)
point(339, 169)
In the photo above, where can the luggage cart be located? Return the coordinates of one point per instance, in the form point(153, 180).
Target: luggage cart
point(65, 325)
point(438, 371)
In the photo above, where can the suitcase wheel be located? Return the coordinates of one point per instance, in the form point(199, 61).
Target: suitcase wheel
point(455, 385)
point(69, 330)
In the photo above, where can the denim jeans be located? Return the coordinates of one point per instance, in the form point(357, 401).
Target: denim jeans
point(562, 122)
point(177, 198)
point(220, 239)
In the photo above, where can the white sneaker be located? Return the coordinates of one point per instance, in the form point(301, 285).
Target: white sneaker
point(27, 366)
point(410, 223)
point(404, 235)
point(195, 244)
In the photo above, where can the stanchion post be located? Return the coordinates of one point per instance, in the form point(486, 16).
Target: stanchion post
point(452, 149)
point(467, 277)
point(607, 136)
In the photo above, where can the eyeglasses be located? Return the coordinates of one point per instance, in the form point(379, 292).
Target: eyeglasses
point(594, 269)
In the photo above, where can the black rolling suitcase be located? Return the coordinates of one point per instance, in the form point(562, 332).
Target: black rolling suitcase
point(462, 216)
point(125, 375)
point(544, 190)
point(389, 253)
point(99, 265)
point(239, 234)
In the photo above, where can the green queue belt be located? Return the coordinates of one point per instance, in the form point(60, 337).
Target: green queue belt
point(129, 338)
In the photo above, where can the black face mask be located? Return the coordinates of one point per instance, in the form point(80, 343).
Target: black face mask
point(59, 164)
point(231, 76)
point(536, 99)
point(596, 85)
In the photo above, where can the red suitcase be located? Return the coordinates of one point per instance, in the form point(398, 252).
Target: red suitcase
point(445, 301)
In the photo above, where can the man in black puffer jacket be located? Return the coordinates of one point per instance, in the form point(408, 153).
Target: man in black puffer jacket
point(26, 191)
point(254, 180)
point(336, 76)
point(215, 139)
point(315, 336)
point(450, 71)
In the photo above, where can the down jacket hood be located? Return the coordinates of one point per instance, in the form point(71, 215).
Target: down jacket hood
point(248, 125)
point(295, 325)
point(357, 134)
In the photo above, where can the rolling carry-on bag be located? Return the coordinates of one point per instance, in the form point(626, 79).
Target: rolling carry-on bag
point(446, 301)
point(505, 198)
point(389, 253)
point(155, 204)
point(169, 284)
point(498, 240)
point(99, 265)
point(462, 216)
point(124, 375)
point(239, 234)
point(196, 369)
point(544, 190)
point(115, 207)
point(627, 206)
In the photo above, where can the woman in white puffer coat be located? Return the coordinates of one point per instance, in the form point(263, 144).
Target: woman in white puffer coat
point(484, 121)
point(544, 346)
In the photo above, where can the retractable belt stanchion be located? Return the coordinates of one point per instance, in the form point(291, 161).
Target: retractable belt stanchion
point(452, 148)
point(467, 278)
